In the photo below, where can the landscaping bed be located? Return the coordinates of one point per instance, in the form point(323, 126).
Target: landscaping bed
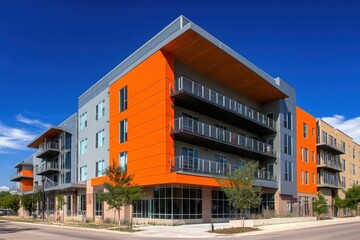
point(234, 230)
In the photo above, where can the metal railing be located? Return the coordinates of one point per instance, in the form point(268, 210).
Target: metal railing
point(16, 175)
point(211, 167)
point(206, 130)
point(19, 174)
point(54, 146)
point(48, 183)
point(186, 85)
point(330, 143)
point(331, 164)
point(329, 183)
point(46, 166)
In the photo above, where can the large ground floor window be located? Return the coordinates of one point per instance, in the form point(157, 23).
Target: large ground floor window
point(220, 207)
point(171, 203)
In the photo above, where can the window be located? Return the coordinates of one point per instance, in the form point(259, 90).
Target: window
point(83, 120)
point(313, 178)
point(287, 144)
point(123, 161)
point(353, 152)
point(306, 155)
point(190, 158)
point(343, 146)
point(305, 128)
point(352, 170)
point(312, 156)
point(83, 173)
point(100, 139)
point(123, 130)
point(343, 182)
point(100, 110)
point(123, 99)
point(98, 205)
point(288, 120)
point(343, 164)
point(99, 168)
point(82, 204)
point(220, 131)
point(324, 137)
point(83, 146)
point(312, 132)
point(306, 180)
point(222, 160)
point(288, 174)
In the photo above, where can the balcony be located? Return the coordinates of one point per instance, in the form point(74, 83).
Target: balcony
point(211, 168)
point(191, 95)
point(330, 165)
point(330, 146)
point(329, 184)
point(18, 176)
point(47, 168)
point(208, 136)
point(48, 149)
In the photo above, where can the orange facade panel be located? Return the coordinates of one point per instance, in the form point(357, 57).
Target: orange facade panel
point(27, 184)
point(149, 145)
point(150, 117)
point(306, 152)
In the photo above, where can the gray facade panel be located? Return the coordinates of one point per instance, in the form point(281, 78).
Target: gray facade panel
point(94, 154)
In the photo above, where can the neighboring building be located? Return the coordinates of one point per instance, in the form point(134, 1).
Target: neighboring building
point(306, 161)
point(55, 166)
point(24, 175)
point(329, 151)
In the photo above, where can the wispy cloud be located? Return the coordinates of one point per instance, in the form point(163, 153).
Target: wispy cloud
point(349, 126)
point(14, 138)
point(32, 122)
point(4, 189)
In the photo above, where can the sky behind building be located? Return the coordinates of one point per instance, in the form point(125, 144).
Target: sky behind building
point(53, 51)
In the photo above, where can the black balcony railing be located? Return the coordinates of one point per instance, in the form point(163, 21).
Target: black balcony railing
point(248, 146)
point(213, 98)
point(210, 167)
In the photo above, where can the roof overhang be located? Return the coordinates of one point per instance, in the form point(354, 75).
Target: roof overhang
point(21, 164)
point(49, 133)
point(212, 58)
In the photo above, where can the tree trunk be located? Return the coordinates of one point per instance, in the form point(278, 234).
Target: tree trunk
point(119, 222)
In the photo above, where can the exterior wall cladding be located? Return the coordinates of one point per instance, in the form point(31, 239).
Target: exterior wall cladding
point(181, 109)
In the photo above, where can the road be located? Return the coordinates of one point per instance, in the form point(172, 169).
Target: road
point(344, 231)
point(12, 230)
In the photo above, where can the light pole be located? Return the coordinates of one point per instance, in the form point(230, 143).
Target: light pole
point(43, 197)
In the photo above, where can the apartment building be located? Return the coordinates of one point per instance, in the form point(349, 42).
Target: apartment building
point(306, 160)
point(180, 111)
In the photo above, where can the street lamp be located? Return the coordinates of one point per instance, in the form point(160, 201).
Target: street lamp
point(43, 197)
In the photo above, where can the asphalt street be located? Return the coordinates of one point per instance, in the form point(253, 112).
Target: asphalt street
point(13, 230)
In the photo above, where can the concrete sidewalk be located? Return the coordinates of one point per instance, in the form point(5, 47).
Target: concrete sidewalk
point(201, 230)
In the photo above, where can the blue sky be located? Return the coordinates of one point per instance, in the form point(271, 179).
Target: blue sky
point(53, 51)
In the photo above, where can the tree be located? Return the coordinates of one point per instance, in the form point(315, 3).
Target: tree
point(320, 205)
point(60, 198)
point(120, 190)
point(9, 201)
point(352, 197)
point(239, 188)
point(29, 202)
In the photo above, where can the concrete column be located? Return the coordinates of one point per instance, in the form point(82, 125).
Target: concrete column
point(206, 204)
